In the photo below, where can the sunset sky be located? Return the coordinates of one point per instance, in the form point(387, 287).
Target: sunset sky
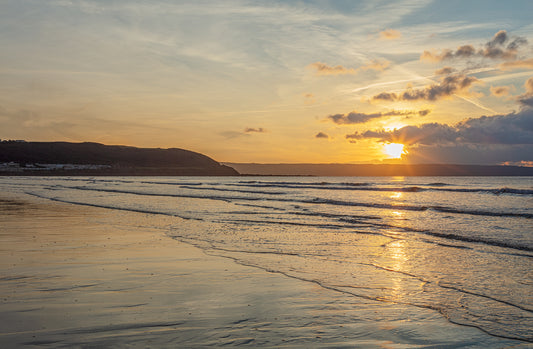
point(274, 82)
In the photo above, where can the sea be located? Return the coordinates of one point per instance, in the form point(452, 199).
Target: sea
point(459, 246)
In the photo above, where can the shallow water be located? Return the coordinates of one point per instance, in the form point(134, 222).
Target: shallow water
point(461, 246)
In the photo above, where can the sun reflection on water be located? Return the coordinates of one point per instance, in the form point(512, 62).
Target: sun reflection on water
point(396, 195)
point(396, 252)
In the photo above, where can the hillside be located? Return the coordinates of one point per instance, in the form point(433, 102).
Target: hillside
point(100, 159)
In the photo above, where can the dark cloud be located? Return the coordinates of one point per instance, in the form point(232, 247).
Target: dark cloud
point(254, 130)
point(494, 49)
point(432, 133)
point(516, 43)
point(498, 39)
point(321, 135)
point(514, 128)
point(448, 86)
point(500, 91)
point(353, 118)
point(485, 140)
point(445, 71)
point(359, 118)
point(246, 133)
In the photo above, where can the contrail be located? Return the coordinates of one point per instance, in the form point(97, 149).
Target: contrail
point(477, 104)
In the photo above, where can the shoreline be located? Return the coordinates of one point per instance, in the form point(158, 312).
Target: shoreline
point(78, 275)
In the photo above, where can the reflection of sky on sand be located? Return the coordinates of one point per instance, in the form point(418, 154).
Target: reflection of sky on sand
point(373, 241)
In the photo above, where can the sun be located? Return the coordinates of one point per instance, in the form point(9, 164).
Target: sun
point(394, 150)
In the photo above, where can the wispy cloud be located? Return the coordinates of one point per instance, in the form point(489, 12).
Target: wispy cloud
point(324, 69)
point(519, 64)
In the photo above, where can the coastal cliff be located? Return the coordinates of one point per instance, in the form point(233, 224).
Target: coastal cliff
point(64, 158)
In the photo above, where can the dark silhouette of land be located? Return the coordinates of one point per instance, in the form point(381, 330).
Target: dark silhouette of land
point(34, 158)
point(379, 170)
point(94, 159)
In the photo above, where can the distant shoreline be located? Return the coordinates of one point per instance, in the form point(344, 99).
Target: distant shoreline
point(290, 170)
point(380, 170)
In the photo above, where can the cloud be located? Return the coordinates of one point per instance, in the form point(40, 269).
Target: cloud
point(448, 86)
point(390, 34)
point(529, 85)
point(527, 63)
point(375, 65)
point(245, 133)
point(493, 49)
point(309, 98)
point(445, 71)
point(254, 130)
point(500, 91)
point(324, 69)
point(355, 117)
point(511, 129)
point(321, 135)
point(527, 98)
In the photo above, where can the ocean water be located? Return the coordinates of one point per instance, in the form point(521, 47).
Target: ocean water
point(460, 246)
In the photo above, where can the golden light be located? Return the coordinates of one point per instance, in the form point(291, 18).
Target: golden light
point(396, 195)
point(394, 150)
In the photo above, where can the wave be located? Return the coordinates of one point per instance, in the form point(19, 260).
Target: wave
point(419, 208)
point(235, 191)
point(370, 187)
point(443, 209)
point(354, 221)
point(113, 207)
point(491, 242)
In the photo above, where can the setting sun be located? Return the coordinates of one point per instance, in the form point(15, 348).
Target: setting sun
point(394, 150)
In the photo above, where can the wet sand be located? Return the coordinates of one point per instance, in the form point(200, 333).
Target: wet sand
point(76, 276)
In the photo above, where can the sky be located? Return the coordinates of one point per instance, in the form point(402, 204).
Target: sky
point(274, 81)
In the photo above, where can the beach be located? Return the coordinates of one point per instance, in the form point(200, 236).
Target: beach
point(82, 276)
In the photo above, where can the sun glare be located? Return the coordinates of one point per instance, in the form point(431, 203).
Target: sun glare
point(394, 150)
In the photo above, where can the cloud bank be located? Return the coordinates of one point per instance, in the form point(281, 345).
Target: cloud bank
point(511, 129)
point(497, 139)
